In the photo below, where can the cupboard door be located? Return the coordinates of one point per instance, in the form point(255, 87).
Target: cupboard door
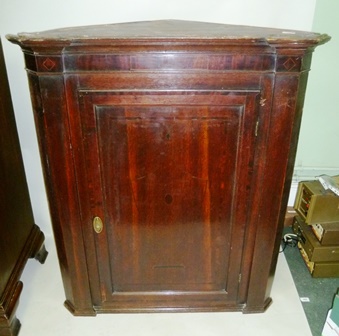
point(169, 174)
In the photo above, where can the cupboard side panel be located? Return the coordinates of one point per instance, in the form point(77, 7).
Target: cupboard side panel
point(289, 170)
point(50, 114)
point(271, 201)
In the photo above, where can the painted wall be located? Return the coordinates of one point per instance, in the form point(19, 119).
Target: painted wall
point(318, 150)
point(17, 16)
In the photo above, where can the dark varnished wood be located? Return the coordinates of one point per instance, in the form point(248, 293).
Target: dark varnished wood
point(20, 238)
point(181, 137)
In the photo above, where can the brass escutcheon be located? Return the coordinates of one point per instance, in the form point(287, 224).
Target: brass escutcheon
point(97, 224)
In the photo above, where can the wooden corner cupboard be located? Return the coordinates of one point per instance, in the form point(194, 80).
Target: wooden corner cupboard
point(168, 149)
point(20, 238)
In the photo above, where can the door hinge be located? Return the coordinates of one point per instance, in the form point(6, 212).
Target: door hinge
point(239, 278)
point(256, 128)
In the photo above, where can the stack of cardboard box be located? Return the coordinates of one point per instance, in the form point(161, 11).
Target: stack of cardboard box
point(317, 226)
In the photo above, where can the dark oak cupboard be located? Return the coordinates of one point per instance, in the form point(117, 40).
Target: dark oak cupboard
point(168, 150)
point(20, 238)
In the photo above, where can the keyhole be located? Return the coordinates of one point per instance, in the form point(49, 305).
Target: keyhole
point(168, 199)
point(168, 136)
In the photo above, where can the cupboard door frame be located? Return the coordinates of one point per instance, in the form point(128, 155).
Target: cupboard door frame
point(86, 99)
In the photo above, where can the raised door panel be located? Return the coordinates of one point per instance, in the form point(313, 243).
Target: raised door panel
point(169, 174)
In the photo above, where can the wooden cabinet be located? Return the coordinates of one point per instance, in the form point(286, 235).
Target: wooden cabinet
point(20, 238)
point(168, 150)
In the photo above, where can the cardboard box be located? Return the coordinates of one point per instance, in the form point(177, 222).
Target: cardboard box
point(327, 233)
point(315, 204)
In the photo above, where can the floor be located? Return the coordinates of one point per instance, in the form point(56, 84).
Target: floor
point(317, 293)
point(41, 311)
